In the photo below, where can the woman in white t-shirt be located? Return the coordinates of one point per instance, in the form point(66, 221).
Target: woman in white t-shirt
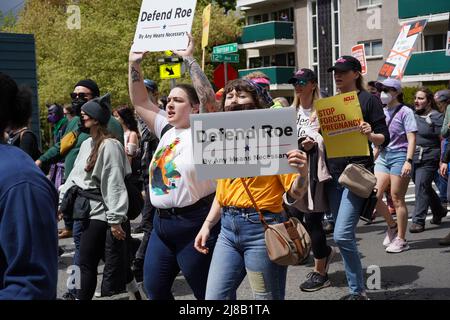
point(182, 201)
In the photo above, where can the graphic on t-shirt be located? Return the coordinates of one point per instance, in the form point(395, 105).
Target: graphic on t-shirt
point(163, 170)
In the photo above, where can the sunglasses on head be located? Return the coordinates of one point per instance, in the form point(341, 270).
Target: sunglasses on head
point(300, 82)
point(80, 95)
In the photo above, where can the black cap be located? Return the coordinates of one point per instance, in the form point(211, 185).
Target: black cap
point(99, 108)
point(303, 75)
point(151, 85)
point(91, 85)
point(346, 63)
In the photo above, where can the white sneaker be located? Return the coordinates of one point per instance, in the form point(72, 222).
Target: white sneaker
point(397, 246)
point(391, 234)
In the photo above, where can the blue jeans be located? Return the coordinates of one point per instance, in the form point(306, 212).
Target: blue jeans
point(171, 248)
point(240, 250)
point(346, 208)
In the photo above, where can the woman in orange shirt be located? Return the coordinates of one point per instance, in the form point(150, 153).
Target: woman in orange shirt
point(240, 249)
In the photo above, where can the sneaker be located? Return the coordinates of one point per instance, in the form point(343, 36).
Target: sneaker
point(330, 258)
point(397, 246)
point(315, 281)
point(416, 228)
point(391, 234)
point(98, 294)
point(355, 296)
point(437, 218)
point(68, 296)
point(445, 241)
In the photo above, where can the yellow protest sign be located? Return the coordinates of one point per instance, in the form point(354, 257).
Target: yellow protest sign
point(206, 20)
point(170, 71)
point(339, 118)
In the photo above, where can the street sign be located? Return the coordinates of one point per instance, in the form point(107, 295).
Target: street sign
point(172, 59)
point(232, 58)
point(226, 48)
point(170, 71)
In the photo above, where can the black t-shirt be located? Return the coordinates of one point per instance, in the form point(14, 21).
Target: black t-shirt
point(372, 111)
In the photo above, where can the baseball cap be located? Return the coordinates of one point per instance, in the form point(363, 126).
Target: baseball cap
point(442, 95)
point(303, 75)
point(151, 85)
point(389, 83)
point(346, 63)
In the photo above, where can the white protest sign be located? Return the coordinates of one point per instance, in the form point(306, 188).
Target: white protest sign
point(398, 58)
point(164, 25)
point(246, 143)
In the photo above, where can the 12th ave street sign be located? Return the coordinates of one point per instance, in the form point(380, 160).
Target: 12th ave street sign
point(233, 58)
point(226, 48)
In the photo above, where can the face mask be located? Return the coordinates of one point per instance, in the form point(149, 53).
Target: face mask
point(420, 111)
point(239, 107)
point(386, 98)
point(83, 127)
point(53, 118)
point(77, 104)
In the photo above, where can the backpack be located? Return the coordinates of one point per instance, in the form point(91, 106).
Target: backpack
point(16, 140)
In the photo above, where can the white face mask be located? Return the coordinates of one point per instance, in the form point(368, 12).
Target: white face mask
point(386, 98)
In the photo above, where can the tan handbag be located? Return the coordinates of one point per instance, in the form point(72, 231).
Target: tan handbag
point(358, 180)
point(288, 243)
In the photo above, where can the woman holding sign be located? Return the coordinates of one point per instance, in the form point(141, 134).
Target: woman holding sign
point(241, 248)
point(345, 205)
point(182, 201)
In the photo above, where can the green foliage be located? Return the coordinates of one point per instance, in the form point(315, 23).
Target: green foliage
point(409, 92)
point(6, 21)
point(99, 49)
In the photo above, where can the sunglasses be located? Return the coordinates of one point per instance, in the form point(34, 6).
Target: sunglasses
point(80, 95)
point(300, 82)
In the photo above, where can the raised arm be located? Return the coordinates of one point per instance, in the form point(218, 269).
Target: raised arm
point(138, 93)
point(200, 82)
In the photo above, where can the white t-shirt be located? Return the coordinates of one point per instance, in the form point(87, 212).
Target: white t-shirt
point(304, 125)
point(173, 179)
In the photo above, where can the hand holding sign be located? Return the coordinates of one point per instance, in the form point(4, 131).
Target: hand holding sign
point(298, 159)
point(365, 128)
point(189, 52)
point(136, 56)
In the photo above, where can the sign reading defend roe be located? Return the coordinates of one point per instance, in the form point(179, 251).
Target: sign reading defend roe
point(164, 25)
point(246, 143)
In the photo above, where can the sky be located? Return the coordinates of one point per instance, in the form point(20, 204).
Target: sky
point(15, 5)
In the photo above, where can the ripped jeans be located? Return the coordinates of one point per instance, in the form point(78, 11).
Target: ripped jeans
point(241, 250)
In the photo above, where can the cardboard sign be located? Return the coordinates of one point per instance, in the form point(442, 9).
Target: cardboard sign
point(339, 118)
point(170, 71)
point(206, 18)
point(246, 143)
point(164, 25)
point(398, 58)
point(359, 53)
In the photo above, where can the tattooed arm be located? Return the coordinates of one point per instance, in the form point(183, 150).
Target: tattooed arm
point(138, 93)
point(200, 82)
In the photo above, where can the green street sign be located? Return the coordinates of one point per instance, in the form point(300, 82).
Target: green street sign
point(232, 58)
point(226, 48)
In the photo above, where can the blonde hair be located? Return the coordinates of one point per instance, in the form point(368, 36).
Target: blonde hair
point(316, 96)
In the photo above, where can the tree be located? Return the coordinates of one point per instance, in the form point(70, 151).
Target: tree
point(6, 21)
point(99, 48)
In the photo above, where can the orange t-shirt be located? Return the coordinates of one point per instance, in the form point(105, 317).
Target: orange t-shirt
point(266, 190)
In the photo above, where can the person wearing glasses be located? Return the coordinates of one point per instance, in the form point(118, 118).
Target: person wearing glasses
point(84, 91)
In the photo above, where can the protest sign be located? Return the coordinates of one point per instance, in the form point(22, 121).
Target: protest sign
point(340, 117)
point(243, 143)
point(359, 53)
point(398, 58)
point(164, 25)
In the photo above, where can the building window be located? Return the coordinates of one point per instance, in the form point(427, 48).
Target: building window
point(281, 15)
point(277, 60)
point(435, 42)
point(367, 3)
point(314, 34)
point(373, 48)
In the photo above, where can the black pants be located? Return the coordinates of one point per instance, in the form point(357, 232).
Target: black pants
point(93, 247)
point(313, 222)
point(148, 213)
point(423, 175)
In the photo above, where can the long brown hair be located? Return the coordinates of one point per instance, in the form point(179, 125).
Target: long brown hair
point(360, 83)
point(430, 97)
point(99, 134)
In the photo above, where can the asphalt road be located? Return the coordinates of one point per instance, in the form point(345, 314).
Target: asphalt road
point(420, 273)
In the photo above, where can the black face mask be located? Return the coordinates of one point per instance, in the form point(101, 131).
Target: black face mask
point(239, 107)
point(77, 104)
point(82, 127)
point(420, 111)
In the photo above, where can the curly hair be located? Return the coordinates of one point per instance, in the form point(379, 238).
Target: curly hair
point(245, 85)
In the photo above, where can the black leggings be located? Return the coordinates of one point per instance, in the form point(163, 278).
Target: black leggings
point(313, 222)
